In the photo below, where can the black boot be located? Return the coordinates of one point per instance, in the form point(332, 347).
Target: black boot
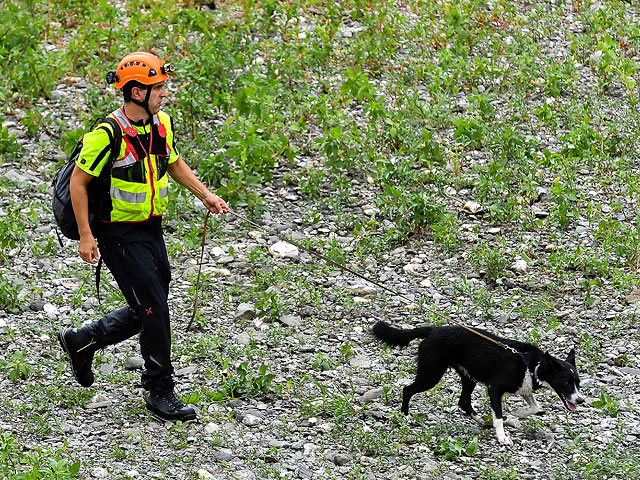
point(163, 402)
point(80, 347)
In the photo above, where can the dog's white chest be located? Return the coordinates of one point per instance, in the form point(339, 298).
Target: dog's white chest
point(527, 386)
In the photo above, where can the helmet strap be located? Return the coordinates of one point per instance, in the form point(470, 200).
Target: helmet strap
point(145, 103)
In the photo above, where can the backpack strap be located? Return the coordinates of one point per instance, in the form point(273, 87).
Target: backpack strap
point(114, 139)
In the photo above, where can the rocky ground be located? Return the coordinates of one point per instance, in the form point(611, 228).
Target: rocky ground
point(318, 397)
point(336, 415)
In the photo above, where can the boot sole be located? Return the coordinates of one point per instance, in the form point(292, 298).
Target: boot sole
point(156, 413)
point(66, 349)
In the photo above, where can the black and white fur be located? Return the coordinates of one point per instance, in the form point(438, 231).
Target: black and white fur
point(477, 360)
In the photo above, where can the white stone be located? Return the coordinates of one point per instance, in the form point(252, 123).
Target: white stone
point(290, 320)
point(365, 291)
point(100, 472)
point(412, 268)
point(217, 272)
point(211, 428)
point(284, 250)
point(519, 266)
point(245, 311)
point(205, 475)
point(251, 420)
point(99, 401)
point(472, 207)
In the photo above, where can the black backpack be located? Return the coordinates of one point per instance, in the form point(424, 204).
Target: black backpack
point(97, 190)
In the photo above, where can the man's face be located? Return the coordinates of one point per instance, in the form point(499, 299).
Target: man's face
point(158, 93)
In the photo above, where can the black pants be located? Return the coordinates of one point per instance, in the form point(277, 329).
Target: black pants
point(142, 272)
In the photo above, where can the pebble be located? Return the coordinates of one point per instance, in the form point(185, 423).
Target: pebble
point(245, 311)
point(519, 266)
point(251, 420)
point(290, 320)
point(134, 363)
point(371, 395)
point(360, 362)
point(186, 371)
point(284, 250)
point(99, 401)
point(224, 455)
point(341, 459)
point(100, 472)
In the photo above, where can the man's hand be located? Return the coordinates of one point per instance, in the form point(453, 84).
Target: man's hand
point(88, 249)
point(215, 204)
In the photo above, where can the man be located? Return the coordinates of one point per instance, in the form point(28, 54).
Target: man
point(129, 235)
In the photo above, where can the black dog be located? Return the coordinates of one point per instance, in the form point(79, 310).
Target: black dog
point(478, 360)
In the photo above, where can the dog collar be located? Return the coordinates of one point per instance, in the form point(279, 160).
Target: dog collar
point(535, 374)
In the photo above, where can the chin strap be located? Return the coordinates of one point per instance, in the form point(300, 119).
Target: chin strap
point(144, 103)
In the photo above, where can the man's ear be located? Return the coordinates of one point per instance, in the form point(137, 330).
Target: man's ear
point(138, 93)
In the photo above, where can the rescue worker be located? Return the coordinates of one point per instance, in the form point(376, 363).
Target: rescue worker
point(129, 237)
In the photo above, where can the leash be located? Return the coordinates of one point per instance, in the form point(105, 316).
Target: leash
point(195, 296)
point(317, 254)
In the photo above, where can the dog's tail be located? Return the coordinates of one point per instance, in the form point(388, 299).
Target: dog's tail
point(398, 337)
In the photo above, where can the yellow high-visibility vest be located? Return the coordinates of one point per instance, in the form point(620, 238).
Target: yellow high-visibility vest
point(139, 184)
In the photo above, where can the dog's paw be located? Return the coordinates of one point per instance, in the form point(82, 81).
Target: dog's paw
point(512, 422)
point(524, 412)
point(504, 439)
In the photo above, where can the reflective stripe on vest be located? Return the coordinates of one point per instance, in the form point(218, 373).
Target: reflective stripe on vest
point(128, 197)
point(164, 192)
point(125, 161)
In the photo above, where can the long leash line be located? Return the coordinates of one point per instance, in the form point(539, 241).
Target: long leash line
point(195, 296)
point(345, 268)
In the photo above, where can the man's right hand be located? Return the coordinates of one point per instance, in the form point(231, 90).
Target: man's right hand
point(88, 249)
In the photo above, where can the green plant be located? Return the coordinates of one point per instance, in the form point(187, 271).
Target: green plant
point(18, 464)
point(564, 210)
point(244, 382)
point(9, 146)
point(330, 402)
point(323, 363)
point(469, 132)
point(451, 449)
point(17, 366)
point(607, 404)
point(9, 293)
point(271, 306)
point(488, 261)
point(357, 85)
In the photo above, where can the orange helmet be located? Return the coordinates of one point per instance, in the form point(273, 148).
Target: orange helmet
point(144, 67)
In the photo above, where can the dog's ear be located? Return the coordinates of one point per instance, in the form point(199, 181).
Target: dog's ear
point(549, 361)
point(571, 358)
